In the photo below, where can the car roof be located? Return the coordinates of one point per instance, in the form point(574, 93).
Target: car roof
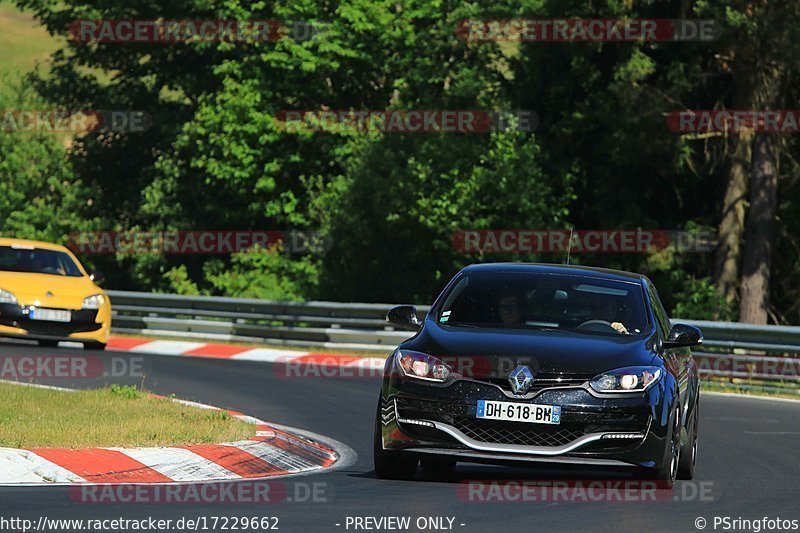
point(29, 243)
point(546, 268)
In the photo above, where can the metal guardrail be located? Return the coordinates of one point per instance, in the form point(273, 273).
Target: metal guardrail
point(732, 350)
point(322, 324)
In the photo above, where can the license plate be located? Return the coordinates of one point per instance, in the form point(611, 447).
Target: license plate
point(519, 412)
point(50, 315)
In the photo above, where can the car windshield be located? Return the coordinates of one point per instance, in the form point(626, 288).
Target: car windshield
point(37, 261)
point(545, 301)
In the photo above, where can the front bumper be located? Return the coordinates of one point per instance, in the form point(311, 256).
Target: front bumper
point(436, 419)
point(85, 325)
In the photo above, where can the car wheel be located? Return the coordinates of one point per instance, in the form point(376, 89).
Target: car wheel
point(94, 346)
point(48, 344)
point(437, 467)
point(689, 450)
point(672, 454)
point(391, 464)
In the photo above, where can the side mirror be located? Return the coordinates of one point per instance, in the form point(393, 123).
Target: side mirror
point(97, 277)
point(682, 335)
point(404, 316)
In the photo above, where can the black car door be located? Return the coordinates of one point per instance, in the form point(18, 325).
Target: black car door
point(679, 360)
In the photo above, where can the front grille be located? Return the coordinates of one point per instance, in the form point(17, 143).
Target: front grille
point(521, 433)
point(543, 381)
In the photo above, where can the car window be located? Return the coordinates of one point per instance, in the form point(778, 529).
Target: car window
point(662, 319)
point(37, 261)
point(545, 301)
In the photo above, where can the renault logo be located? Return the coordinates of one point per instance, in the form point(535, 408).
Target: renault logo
point(521, 379)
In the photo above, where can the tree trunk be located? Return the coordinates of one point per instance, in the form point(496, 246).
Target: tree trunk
point(756, 261)
point(728, 255)
point(760, 223)
point(731, 227)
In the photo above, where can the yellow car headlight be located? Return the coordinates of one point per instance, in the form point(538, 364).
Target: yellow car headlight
point(7, 297)
point(95, 301)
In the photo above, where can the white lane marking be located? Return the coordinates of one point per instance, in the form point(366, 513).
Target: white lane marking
point(167, 347)
point(195, 404)
point(36, 385)
point(23, 466)
point(178, 464)
point(268, 355)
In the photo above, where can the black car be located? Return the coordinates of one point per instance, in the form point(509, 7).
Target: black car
point(541, 364)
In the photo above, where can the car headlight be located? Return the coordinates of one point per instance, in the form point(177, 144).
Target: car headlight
point(95, 301)
point(7, 297)
point(630, 379)
point(418, 365)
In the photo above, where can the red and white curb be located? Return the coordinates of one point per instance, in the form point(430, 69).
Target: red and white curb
point(242, 353)
point(275, 451)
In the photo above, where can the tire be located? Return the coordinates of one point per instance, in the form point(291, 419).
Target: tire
point(98, 346)
point(686, 465)
point(48, 344)
point(391, 464)
point(668, 471)
point(437, 467)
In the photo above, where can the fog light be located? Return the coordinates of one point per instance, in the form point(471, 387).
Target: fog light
point(416, 422)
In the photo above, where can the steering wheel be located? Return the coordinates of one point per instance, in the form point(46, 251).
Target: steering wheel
point(603, 326)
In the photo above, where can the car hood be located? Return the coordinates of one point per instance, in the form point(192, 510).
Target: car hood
point(32, 289)
point(545, 351)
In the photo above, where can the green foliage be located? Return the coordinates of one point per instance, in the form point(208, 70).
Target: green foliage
point(699, 300)
point(265, 274)
point(124, 391)
point(39, 196)
point(217, 156)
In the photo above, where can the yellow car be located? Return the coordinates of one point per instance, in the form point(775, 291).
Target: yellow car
point(46, 295)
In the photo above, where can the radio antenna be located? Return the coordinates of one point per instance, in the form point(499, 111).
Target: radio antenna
point(569, 244)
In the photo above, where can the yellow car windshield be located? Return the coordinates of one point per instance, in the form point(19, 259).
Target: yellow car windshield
point(37, 261)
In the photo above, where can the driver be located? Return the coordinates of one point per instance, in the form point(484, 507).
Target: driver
point(510, 310)
point(605, 310)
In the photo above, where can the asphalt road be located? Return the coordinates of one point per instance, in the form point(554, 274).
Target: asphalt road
point(748, 466)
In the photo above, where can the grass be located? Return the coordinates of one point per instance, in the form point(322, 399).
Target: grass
point(117, 416)
point(24, 42)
